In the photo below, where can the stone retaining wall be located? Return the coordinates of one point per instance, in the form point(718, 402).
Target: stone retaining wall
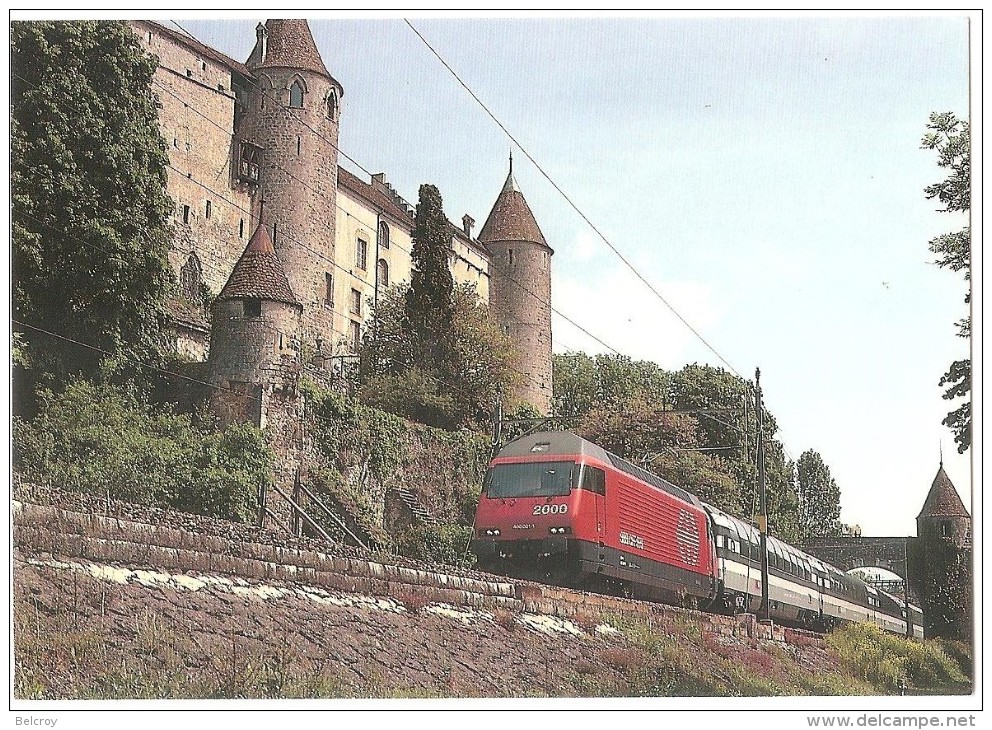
point(67, 534)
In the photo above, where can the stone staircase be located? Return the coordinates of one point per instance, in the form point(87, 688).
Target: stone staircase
point(412, 503)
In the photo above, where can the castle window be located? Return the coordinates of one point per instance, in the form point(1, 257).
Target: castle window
point(509, 256)
point(149, 36)
point(329, 290)
point(299, 144)
point(209, 209)
point(332, 105)
point(296, 95)
point(945, 529)
point(382, 273)
point(252, 307)
point(355, 336)
point(190, 279)
point(241, 228)
point(185, 214)
point(249, 157)
point(362, 254)
point(383, 235)
point(356, 302)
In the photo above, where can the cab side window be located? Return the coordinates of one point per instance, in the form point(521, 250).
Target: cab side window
point(593, 480)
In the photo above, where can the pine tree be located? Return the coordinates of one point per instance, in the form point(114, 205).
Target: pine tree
point(429, 314)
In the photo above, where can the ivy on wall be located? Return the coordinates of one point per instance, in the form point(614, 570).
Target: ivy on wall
point(364, 453)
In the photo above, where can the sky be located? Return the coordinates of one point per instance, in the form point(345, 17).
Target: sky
point(763, 173)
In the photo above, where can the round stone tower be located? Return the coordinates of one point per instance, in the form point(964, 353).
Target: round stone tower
point(944, 517)
point(293, 115)
point(520, 291)
point(256, 319)
point(943, 560)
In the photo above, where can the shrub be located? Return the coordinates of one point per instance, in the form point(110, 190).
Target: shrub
point(884, 659)
point(436, 543)
point(102, 440)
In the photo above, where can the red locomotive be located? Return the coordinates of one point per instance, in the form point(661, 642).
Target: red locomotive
point(558, 508)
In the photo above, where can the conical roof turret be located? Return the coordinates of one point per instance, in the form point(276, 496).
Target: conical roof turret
point(286, 44)
point(259, 273)
point(943, 499)
point(511, 218)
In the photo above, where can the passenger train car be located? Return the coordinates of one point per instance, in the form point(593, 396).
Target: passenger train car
point(560, 509)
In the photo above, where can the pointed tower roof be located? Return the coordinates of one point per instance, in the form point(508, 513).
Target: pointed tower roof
point(943, 499)
point(259, 273)
point(287, 44)
point(511, 218)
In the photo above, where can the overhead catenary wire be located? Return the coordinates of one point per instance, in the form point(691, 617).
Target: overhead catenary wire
point(572, 204)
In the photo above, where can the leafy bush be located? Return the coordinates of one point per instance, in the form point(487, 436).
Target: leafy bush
point(884, 659)
point(102, 440)
point(445, 544)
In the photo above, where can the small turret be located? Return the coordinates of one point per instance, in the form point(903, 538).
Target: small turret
point(944, 515)
point(256, 317)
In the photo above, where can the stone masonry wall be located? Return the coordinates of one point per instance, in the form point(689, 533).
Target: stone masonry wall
point(520, 295)
point(298, 188)
point(66, 534)
point(197, 123)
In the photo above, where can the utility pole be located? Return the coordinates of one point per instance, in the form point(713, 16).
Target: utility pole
point(497, 434)
point(764, 610)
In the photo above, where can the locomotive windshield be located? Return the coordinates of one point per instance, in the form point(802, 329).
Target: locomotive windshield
point(533, 479)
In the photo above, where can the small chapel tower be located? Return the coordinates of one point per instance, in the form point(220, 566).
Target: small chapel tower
point(293, 117)
point(520, 291)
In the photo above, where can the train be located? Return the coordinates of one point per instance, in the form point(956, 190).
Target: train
point(557, 508)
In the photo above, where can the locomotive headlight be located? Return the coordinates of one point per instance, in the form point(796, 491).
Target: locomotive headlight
point(560, 530)
point(492, 533)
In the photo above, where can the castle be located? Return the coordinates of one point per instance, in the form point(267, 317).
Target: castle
point(288, 247)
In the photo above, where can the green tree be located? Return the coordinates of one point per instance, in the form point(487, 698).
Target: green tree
point(582, 382)
point(89, 206)
point(479, 364)
point(951, 137)
point(818, 497)
point(428, 324)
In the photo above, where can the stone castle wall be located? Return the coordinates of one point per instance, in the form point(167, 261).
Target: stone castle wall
point(197, 121)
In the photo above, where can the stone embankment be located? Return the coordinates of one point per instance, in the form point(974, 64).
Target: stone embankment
point(248, 554)
point(166, 604)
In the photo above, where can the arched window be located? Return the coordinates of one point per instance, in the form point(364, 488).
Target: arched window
point(191, 280)
point(382, 273)
point(332, 105)
point(296, 95)
point(383, 235)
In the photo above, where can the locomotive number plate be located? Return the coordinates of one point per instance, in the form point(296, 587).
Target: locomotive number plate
point(550, 509)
